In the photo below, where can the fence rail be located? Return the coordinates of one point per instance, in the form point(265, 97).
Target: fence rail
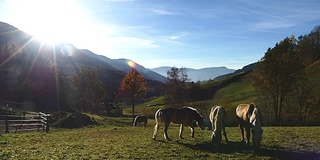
point(27, 122)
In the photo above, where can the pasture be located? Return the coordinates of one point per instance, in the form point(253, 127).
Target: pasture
point(115, 138)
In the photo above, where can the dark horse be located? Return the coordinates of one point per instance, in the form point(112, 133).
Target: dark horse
point(140, 119)
point(249, 117)
point(183, 116)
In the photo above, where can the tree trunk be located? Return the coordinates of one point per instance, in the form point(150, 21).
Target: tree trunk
point(132, 100)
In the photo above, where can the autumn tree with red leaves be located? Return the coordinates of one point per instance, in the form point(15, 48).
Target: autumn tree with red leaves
point(133, 87)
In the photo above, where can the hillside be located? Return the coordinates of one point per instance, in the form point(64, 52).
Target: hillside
point(122, 65)
point(36, 73)
point(313, 70)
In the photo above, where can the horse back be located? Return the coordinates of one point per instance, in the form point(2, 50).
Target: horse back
point(217, 111)
point(244, 111)
point(179, 116)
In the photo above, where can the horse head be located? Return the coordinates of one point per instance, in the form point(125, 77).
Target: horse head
point(200, 122)
point(256, 137)
point(255, 121)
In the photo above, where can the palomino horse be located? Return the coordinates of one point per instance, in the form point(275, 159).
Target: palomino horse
point(249, 116)
point(139, 119)
point(218, 117)
point(183, 116)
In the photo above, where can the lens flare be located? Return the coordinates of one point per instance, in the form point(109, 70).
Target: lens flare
point(132, 64)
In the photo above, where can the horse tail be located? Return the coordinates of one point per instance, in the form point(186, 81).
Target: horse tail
point(157, 116)
point(135, 121)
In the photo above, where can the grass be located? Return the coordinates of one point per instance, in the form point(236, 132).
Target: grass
point(117, 139)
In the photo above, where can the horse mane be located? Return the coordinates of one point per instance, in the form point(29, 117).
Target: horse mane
point(256, 116)
point(252, 106)
point(219, 115)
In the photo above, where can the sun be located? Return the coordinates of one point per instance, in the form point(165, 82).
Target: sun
point(52, 21)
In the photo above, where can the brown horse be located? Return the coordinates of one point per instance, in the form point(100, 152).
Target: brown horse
point(218, 117)
point(139, 119)
point(249, 117)
point(183, 116)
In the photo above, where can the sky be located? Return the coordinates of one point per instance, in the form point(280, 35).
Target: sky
point(175, 33)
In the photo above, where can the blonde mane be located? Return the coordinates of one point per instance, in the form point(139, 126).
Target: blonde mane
point(218, 119)
point(255, 118)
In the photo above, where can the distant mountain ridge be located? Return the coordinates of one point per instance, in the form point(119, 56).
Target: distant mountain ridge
point(122, 65)
point(25, 60)
point(202, 74)
point(34, 72)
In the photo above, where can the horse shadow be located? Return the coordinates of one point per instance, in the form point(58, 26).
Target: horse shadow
point(238, 147)
point(231, 147)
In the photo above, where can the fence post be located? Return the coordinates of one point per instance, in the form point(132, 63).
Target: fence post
point(7, 124)
point(40, 118)
point(47, 123)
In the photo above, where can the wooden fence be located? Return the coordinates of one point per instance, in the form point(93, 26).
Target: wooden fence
point(27, 122)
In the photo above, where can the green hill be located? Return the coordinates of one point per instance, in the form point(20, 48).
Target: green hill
point(229, 92)
point(237, 88)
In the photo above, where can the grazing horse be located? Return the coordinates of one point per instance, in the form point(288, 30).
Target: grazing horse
point(139, 119)
point(249, 117)
point(218, 117)
point(183, 116)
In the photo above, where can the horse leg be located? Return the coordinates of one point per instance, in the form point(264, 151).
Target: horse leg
point(242, 133)
point(181, 130)
point(248, 135)
point(166, 126)
point(225, 134)
point(192, 131)
point(156, 128)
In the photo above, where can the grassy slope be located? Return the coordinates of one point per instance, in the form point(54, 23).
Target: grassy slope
point(231, 91)
point(238, 88)
point(240, 91)
point(117, 139)
point(313, 70)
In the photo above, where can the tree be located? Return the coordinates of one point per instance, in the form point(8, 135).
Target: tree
point(133, 87)
point(275, 74)
point(303, 97)
point(86, 90)
point(309, 46)
point(176, 86)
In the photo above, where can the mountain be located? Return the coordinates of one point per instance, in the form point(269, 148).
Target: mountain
point(122, 65)
point(202, 74)
point(247, 68)
point(36, 73)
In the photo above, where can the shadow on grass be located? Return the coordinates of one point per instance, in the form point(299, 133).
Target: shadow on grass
point(119, 122)
point(280, 153)
point(238, 147)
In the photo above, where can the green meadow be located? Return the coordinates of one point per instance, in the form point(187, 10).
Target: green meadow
point(116, 138)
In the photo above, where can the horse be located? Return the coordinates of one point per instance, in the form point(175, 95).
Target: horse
point(139, 119)
point(218, 117)
point(184, 116)
point(249, 117)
